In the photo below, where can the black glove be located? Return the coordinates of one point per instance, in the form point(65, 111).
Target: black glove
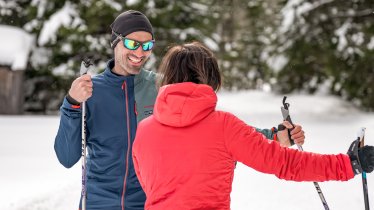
point(362, 159)
point(366, 157)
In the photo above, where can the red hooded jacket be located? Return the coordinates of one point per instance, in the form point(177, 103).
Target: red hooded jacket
point(184, 155)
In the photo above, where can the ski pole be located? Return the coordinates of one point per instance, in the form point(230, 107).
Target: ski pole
point(83, 70)
point(286, 116)
point(361, 136)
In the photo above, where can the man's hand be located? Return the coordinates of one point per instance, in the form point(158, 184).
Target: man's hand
point(297, 135)
point(81, 88)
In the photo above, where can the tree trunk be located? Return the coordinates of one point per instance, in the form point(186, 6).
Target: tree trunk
point(11, 91)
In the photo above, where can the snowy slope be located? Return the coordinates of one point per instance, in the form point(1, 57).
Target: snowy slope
point(31, 177)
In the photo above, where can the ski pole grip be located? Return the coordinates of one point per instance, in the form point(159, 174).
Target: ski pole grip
point(85, 65)
point(287, 117)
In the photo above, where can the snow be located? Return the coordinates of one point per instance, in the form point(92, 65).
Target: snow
point(31, 177)
point(6, 6)
point(15, 47)
point(340, 32)
point(295, 9)
point(132, 2)
point(41, 6)
point(30, 173)
point(371, 44)
point(292, 10)
point(211, 44)
point(115, 5)
point(277, 62)
point(183, 33)
point(67, 17)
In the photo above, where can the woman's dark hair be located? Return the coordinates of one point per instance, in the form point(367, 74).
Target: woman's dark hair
point(191, 62)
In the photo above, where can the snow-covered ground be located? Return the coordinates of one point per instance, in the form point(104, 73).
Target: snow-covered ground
point(31, 177)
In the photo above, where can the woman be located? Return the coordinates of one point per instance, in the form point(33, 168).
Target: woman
point(185, 153)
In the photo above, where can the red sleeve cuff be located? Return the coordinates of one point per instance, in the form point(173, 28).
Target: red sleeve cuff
point(75, 106)
point(274, 130)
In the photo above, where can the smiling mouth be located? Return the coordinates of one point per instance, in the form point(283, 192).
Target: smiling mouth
point(135, 60)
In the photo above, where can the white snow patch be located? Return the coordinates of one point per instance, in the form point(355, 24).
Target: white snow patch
point(115, 5)
point(41, 5)
point(278, 62)
point(67, 17)
point(211, 44)
point(132, 2)
point(371, 44)
point(15, 47)
point(341, 32)
point(295, 8)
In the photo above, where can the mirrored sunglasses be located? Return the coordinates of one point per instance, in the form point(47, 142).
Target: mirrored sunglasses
point(133, 44)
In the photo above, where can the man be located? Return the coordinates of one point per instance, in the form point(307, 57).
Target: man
point(117, 100)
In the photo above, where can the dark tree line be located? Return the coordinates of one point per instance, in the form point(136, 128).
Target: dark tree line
point(286, 45)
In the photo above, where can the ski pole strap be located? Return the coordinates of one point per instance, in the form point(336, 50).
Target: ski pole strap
point(353, 155)
point(281, 127)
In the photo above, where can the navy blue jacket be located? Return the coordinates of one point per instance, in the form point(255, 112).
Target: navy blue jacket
point(118, 103)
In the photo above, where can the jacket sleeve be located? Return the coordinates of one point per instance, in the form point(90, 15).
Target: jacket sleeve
point(68, 139)
point(248, 146)
point(269, 134)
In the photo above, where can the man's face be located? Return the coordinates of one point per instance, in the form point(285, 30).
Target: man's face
point(131, 61)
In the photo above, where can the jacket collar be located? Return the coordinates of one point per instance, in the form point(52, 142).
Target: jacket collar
point(118, 80)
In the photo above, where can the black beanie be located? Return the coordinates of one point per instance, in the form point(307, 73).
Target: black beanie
point(128, 22)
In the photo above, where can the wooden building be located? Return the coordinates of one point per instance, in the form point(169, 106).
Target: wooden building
point(15, 46)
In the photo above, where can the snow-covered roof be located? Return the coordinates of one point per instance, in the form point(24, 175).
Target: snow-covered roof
point(15, 46)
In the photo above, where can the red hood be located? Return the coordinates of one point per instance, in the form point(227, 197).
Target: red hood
point(183, 104)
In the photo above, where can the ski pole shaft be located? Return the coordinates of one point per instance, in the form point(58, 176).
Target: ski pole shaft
point(363, 174)
point(366, 192)
point(321, 196)
point(83, 105)
point(287, 117)
point(83, 70)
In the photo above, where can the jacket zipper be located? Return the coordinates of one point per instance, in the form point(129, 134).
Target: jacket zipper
point(124, 87)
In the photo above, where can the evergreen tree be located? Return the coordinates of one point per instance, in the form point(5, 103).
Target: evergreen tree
point(177, 22)
point(330, 43)
point(317, 42)
point(250, 36)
